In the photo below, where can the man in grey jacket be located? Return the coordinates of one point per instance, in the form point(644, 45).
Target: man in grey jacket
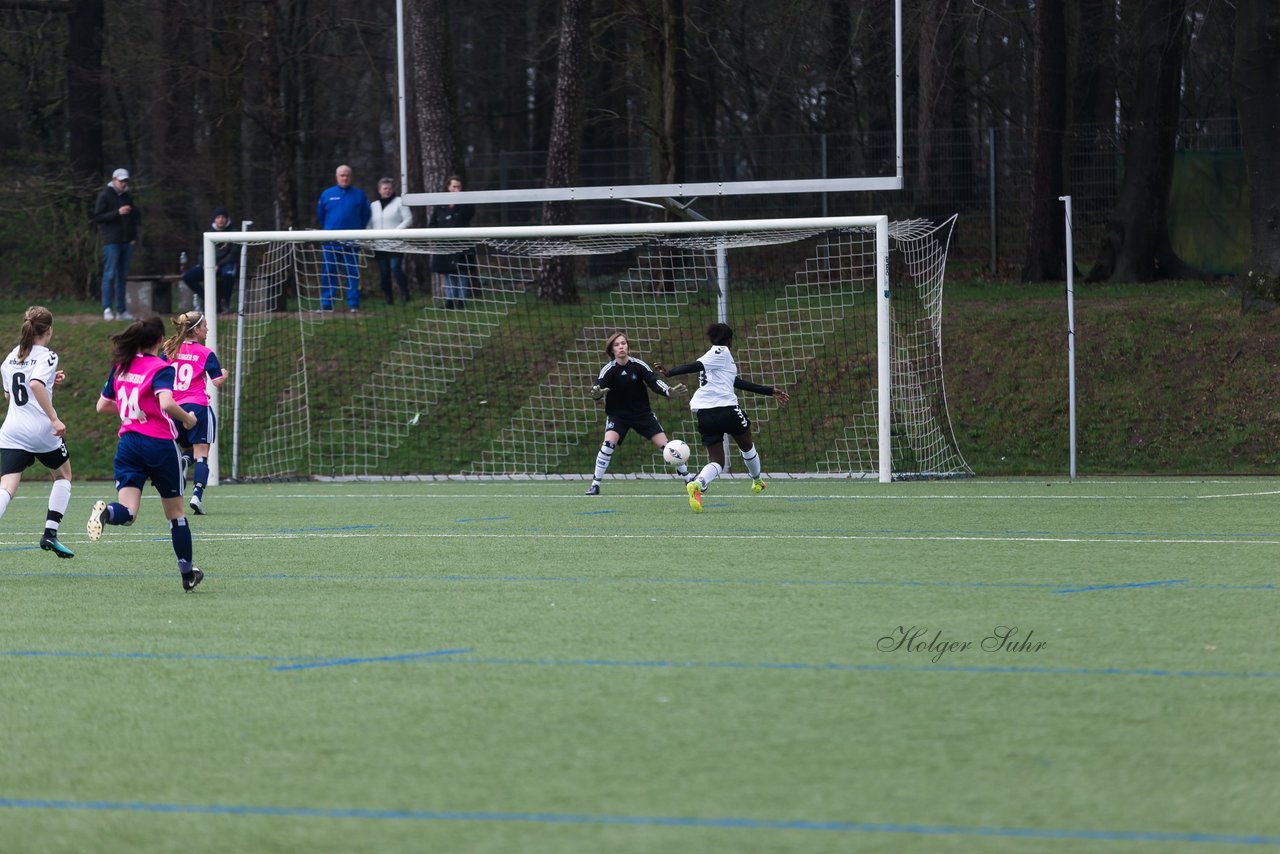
point(117, 218)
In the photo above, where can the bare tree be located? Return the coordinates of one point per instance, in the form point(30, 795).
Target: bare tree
point(555, 282)
point(1045, 238)
point(940, 67)
point(84, 88)
point(667, 55)
point(431, 78)
point(1136, 247)
point(1256, 72)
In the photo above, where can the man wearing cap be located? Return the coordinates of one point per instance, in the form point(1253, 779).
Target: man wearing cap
point(117, 218)
point(226, 258)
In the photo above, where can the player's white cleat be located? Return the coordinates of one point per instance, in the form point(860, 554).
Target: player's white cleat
point(695, 496)
point(96, 515)
point(197, 506)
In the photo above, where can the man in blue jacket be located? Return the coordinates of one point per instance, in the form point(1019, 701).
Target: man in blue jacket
point(345, 207)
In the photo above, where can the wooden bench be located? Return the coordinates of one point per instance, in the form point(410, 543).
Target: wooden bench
point(161, 294)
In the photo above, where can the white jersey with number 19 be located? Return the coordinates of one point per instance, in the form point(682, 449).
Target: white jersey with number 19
point(26, 427)
point(715, 382)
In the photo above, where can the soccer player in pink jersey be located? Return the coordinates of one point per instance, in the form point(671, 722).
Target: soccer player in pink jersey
point(139, 390)
point(195, 366)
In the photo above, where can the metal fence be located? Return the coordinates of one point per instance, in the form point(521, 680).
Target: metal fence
point(984, 176)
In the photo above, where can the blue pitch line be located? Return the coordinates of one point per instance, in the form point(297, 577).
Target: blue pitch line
point(484, 519)
point(145, 656)
point(461, 656)
point(865, 668)
point(722, 823)
point(341, 662)
point(1121, 586)
point(1053, 586)
point(321, 529)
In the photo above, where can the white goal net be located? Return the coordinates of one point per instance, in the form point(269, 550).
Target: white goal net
point(492, 381)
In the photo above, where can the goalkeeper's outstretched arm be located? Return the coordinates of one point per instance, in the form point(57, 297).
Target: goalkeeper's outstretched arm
point(691, 368)
point(652, 381)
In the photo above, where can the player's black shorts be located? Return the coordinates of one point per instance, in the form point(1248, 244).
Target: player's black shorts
point(205, 431)
point(14, 460)
point(713, 423)
point(646, 425)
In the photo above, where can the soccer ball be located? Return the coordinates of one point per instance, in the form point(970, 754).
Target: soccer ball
point(676, 452)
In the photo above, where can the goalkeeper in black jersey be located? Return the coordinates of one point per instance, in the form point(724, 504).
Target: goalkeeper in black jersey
point(622, 386)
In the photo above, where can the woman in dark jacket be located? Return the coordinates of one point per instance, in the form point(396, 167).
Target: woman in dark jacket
point(453, 266)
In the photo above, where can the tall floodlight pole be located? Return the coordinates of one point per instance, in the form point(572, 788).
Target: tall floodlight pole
point(404, 139)
point(1071, 334)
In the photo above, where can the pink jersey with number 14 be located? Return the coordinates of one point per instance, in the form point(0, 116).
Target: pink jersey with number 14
point(136, 401)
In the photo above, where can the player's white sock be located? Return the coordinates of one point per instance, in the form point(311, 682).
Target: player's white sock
point(709, 472)
point(752, 460)
point(4, 500)
point(603, 459)
point(59, 498)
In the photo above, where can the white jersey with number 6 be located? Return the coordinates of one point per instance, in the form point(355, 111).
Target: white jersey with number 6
point(26, 427)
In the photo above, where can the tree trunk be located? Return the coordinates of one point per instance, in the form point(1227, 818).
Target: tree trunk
point(1093, 89)
point(434, 119)
point(431, 79)
point(275, 119)
point(1257, 89)
point(1136, 245)
point(1046, 245)
point(555, 282)
point(84, 89)
point(940, 65)
point(672, 56)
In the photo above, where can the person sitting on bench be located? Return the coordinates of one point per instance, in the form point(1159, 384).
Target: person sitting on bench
point(227, 256)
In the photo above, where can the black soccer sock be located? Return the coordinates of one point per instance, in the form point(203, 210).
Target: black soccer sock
point(201, 475)
point(118, 514)
point(180, 533)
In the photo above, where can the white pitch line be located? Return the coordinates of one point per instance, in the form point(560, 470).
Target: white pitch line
point(601, 502)
point(476, 535)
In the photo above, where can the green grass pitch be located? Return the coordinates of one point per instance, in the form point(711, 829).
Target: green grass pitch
point(512, 666)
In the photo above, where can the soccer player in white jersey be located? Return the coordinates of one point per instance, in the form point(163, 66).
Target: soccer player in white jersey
point(716, 405)
point(621, 384)
point(32, 430)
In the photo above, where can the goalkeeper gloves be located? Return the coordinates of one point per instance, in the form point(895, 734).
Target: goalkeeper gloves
point(597, 393)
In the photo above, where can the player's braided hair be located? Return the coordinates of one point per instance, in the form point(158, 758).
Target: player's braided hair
point(35, 323)
point(185, 324)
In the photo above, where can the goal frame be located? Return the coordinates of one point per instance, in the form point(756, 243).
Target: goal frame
point(880, 223)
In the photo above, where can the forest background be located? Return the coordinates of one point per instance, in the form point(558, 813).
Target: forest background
point(1168, 150)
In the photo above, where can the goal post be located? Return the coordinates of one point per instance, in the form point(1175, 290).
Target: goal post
point(843, 312)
